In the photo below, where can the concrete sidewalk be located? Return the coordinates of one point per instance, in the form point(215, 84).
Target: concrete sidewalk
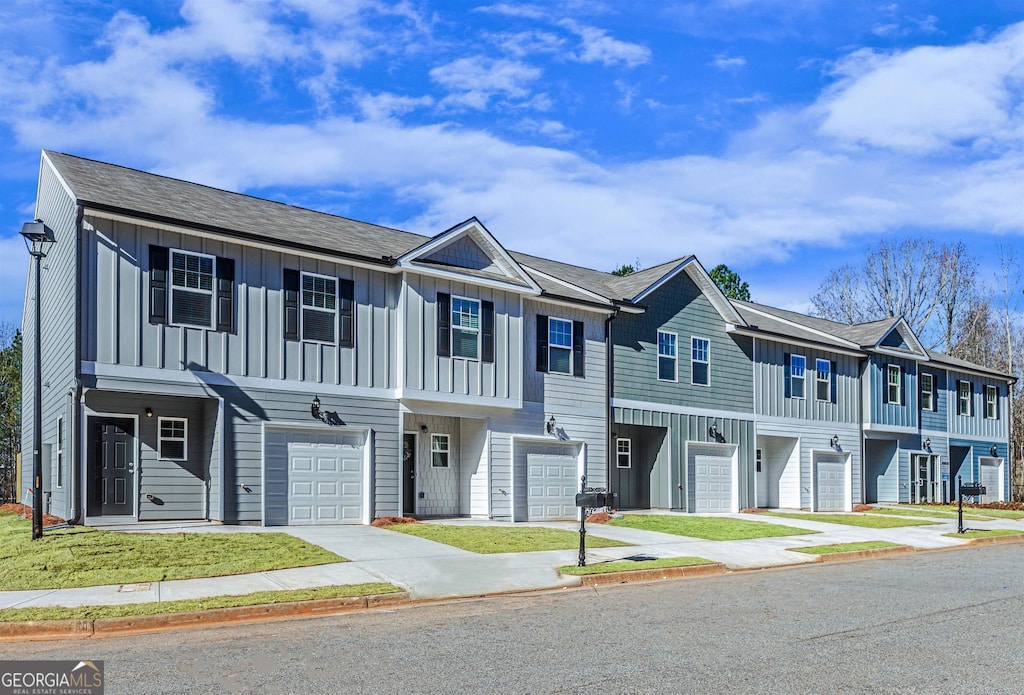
point(429, 570)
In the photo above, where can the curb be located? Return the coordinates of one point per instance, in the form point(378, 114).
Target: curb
point(864, 554)
point(650, 575)
point(101, 627)
point(996, 540)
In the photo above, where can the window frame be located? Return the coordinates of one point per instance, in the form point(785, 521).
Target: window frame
point(59, 452)
point(994, 403)
point(964, 407)
point(930, 391)
point(452, 327)
point(436, 437)
point(302, 308)
point(619, 452)
point(818, 380)
point(551, 370)
point(898, 400)
point(160, 438)
point(793, 377)
point(674, 357)
point(694, 360)
point(211, 293)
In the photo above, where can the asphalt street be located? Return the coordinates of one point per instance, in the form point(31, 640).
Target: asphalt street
point(943, 622)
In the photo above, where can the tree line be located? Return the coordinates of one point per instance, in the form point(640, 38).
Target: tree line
point(10, 410)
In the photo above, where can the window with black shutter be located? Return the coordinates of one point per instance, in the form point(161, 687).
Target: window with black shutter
point(542, 343)
point(346, 314)
point(487, 331)
point(226, 295)
point(319, 317)
point(159, 264)
point(290, 291)
point(444, 330)
point(192, 289)
point(578, 349)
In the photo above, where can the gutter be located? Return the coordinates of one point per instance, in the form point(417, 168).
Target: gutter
point(609, 411)
point(77, 468)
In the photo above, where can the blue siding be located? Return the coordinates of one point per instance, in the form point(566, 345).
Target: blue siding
point(936, 419)
point(971, 469)
point(882, 413)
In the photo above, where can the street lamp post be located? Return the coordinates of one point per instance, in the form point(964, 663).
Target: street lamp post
point(38, 238)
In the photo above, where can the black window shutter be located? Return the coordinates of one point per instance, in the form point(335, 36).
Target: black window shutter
point(226, 295)
point(290, 285)
point(542, 343)
point(346, 313)
point(444, 324)
point(833, 388)
point(785, 374)
point(578, 349)
point(487, 331)
point(159, 263)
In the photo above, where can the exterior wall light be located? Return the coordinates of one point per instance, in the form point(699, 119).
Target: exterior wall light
point(550, 426)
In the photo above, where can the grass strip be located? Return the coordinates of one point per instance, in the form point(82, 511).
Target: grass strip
point(500, 539)
point(83, 556)
point(628, 565)
point(10, 615)
point(893, 511)
point(1013, 514)
point(706, 527)
point(985, 533)
point(845, 547)
point(865, 520)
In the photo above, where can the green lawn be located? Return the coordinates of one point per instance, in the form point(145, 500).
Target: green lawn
point(627, 565)
point(938, 514)
point(84, 556)
point(986, 533)
point(866, 520)
point(983, 511)
point(708, 528)
point(845, 547)
point(11, 615)
point(502, 539)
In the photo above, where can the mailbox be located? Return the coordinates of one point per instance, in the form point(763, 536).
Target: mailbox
point(972, 490)
point(594, 500)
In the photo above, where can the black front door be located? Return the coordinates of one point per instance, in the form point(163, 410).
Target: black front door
point(111, 467)
point(408, 474)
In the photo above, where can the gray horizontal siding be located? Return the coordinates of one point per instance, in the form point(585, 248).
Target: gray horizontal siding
point(680, 307)
point(565, 390)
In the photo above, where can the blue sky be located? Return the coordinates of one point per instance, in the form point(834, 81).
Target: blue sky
point(782, 137)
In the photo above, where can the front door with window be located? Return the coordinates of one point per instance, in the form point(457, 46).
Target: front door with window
point(924, 487)
point(409, 474)
point(111, 455)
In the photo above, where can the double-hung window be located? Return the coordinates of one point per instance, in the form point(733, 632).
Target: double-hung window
point(700, 361)
point(991, 402)
point(927, 391)
point(192, 283)
point(963, 397)
point(439, 450)
point(668, 363)
point(559, 346)
point(894, 384)
point(172, 442)
point(466, 328)
point(823, 380)
point(797, 374)
point(319, 308)
point(623, 452)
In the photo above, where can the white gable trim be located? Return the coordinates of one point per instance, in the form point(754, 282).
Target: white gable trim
point(473, 228)
point(915, 344)
point(596, 297)
point(802, 327)
point(704, 283)
point(56, 172)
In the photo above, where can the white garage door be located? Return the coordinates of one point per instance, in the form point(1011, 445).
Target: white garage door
point(990, 470)
point(322, 475)
point(712, 478)
point(547, 481)
point(830, 483)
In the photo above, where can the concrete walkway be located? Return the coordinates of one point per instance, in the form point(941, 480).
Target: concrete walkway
point(429, 570)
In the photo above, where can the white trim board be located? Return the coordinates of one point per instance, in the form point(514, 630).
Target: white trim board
point(681, 409)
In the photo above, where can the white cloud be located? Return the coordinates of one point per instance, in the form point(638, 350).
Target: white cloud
point(598, 47)
point(526, 43)
point(728, 64)
point(378, 107)
point(473, 81)
point(511, 10)
point(14, 261)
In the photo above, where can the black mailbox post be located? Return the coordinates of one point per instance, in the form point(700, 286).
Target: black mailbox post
point(590, 498)
point(971, 490)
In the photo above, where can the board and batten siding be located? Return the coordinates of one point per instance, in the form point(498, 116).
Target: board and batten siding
point(882, 413)
point(426, 371)
point(58, 306)
point(977, 426)
point(770, 370)
point(669, 479)
point(970, 468)
point(118, 330)
point(935, 420)
point(678, 306)
point(814, 439)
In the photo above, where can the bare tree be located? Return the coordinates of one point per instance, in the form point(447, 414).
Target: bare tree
point(839, 297)
point(956, 291)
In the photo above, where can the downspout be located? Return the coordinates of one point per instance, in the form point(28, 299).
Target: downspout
point(609, 444)
point(76, 462)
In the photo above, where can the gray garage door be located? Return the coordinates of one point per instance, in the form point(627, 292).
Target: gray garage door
point(314, 477)
point(990, 479)
point(712, 478)
point(830, 483)
point(548, 475)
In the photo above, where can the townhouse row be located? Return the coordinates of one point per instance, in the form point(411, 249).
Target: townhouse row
point(210, 355)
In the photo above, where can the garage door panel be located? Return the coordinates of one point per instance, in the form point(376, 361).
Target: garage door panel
point(712, 479)
point(552, 482)
point(830, 483)
point(990, 479)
